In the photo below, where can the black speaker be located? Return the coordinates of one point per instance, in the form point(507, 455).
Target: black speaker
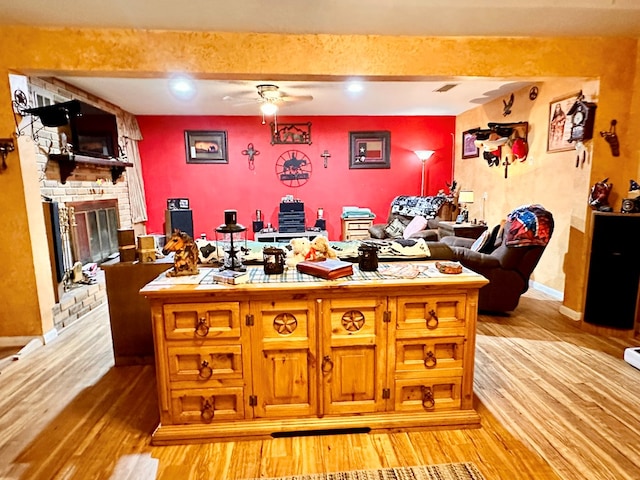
point(614, 271)
point(180, 219)
point(630, 205)
point(257, 225)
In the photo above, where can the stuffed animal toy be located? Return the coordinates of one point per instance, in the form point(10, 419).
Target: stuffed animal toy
point(320, 249)
point(299, 249)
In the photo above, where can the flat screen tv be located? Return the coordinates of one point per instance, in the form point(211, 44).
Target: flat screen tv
point(90, 130)
point(94, 132)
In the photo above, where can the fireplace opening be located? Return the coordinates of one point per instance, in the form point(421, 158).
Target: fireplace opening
point(93, 230)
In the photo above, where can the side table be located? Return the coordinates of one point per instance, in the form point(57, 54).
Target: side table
point(356, 228)
point(466, 230)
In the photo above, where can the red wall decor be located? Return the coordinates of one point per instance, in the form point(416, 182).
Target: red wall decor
point(213, 188)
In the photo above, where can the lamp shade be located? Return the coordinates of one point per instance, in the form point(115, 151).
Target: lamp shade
point(465, 196)
point(424, 154)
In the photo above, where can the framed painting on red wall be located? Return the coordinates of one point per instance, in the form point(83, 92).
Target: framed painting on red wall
point(206, 146)
point(370, 149)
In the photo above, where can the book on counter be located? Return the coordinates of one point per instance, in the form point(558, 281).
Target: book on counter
point(230, 277)
point(327, 269)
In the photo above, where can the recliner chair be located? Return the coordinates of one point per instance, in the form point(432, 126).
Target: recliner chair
point(508, 267)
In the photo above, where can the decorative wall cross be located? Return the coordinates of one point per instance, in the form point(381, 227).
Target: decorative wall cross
point(251, 153)
point(326, 156)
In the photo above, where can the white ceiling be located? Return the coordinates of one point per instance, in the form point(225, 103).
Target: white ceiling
point(383, 17)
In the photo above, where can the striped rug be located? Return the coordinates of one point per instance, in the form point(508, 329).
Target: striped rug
point(447, 471)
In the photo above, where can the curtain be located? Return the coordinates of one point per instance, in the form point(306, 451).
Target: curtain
point(132, 134)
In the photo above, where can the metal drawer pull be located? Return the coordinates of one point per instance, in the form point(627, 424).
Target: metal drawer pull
point(202, 329)
point(427, 398)
point(432, 321)
point(430, 360)
point(205, 371)
point(208, 408)
point(327, 364)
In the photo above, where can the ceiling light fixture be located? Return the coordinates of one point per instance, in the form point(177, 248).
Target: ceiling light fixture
point(268, 108)
point(355, 87)
point(182, 87)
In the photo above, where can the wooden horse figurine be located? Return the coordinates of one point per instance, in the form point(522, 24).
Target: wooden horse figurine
point(185, 260)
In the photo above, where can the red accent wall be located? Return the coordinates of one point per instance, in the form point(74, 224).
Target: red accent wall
point(213, 188)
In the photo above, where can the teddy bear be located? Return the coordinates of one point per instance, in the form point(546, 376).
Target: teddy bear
point(320, 249)
point(299, 249)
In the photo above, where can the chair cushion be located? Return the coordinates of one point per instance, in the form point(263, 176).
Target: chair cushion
point(417, 224)
point(481, 242)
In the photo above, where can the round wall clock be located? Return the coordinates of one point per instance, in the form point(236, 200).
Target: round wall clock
point(293, 168)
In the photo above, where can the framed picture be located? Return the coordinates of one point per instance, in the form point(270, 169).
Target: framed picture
point(370, 149)
point(290, 133)
point(469, 149)
point(559, 124)
point(206, 147)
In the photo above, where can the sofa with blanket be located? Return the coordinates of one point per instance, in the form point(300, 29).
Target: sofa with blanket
point(415, 217)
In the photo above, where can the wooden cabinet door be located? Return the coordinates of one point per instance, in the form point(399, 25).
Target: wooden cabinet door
point(353, 360)
point(283, 344)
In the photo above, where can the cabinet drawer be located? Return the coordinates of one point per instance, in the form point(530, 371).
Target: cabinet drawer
point(359, 225)
point(205, 365)
point(429, 356)
point(202, 321)
point(207, 405)
point(441, 315)
point(427, 394)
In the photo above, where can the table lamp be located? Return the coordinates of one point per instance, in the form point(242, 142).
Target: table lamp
point(464, 198)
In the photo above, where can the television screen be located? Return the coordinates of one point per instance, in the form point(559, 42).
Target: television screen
point(94, 132)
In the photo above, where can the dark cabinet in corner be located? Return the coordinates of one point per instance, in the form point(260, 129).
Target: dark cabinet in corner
point(614, 271)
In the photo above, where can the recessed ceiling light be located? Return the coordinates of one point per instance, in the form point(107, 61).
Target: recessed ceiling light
point(355, 87)
point(182, 87)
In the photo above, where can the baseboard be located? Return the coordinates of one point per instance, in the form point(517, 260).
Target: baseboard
point(572, 314)
point(17, 341)
point(50, 335)
point(555, 294)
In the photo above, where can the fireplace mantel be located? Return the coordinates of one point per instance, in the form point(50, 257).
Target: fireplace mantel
point(68, 164)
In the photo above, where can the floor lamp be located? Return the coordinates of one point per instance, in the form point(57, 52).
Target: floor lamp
point(423, 155)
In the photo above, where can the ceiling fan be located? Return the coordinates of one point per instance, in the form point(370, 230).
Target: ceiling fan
point(270, 98)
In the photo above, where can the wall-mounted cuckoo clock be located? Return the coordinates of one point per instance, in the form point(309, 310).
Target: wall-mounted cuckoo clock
point(582, 115)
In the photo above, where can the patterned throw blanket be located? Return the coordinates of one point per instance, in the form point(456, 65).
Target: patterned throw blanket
point(412, 206)
point(529, 225)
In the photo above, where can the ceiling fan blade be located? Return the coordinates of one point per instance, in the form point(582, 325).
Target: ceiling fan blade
point(296, 98)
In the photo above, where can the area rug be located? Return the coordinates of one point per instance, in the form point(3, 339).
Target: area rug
point(447, 471)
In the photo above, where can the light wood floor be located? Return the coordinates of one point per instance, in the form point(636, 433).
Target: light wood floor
point(556, 403)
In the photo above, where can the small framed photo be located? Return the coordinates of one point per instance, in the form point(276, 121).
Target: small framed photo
point(469, 148)
point(206, 146)
point(560, 124)
point(370, 149)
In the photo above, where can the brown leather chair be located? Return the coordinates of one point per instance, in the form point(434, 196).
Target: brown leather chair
point(508, 269)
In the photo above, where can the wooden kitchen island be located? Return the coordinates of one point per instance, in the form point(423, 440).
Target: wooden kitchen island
point(291, 353)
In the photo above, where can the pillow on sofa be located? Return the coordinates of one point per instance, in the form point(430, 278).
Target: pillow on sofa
point(481, 241)
point(395, 228)
point(417, 224)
